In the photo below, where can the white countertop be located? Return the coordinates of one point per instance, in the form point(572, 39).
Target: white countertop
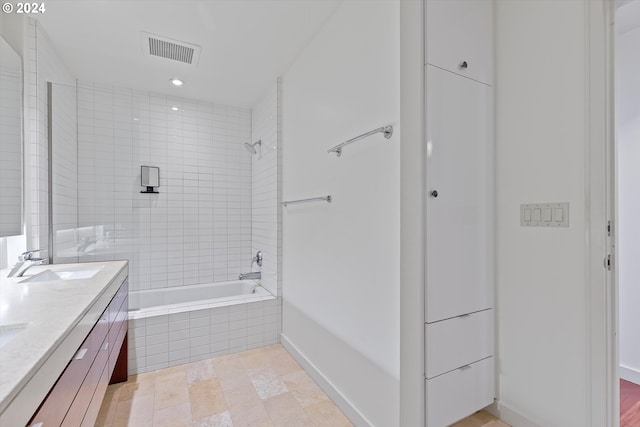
point(52, 320)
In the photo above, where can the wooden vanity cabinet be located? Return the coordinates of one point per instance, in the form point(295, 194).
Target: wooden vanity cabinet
point(76, 397)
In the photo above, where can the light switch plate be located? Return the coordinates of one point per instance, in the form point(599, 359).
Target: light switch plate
point(544, 214)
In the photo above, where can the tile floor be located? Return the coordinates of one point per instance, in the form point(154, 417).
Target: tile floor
point(260, 387)
point(481, 419)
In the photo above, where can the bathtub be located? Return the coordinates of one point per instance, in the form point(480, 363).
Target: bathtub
point(177, 325)
point(178, 299)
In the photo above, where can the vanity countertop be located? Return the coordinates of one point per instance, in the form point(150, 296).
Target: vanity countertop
point(42, 324)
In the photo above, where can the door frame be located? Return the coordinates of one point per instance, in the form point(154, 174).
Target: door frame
point(602, 391)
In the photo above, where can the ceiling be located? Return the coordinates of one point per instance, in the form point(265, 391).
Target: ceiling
point(246, 44)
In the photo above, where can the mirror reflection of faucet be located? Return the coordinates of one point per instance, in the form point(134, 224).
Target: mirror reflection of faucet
point(93, 243)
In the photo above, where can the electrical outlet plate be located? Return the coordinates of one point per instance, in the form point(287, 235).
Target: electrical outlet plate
point(544, 214)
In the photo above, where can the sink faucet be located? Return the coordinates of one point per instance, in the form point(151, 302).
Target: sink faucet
point(26, 261)
point(253, 275)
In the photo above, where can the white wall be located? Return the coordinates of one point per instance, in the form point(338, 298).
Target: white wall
point(198, 228)
point(265, 183)
point(628, 145)
point(12, 29)
point(541, 140)
point(341, 261)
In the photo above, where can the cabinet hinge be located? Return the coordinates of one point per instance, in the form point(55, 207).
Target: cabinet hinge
point(608, 228)
point(607, 262)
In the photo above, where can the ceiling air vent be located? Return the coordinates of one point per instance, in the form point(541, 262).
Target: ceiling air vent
point(175, 50)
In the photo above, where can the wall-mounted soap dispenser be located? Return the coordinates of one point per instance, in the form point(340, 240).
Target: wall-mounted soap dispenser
point(149, 177)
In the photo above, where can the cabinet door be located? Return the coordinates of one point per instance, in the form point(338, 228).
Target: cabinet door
point(460, 153)
point(461, 31)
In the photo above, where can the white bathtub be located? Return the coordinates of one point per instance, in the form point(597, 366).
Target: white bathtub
point(178, 325)
point(179, 299)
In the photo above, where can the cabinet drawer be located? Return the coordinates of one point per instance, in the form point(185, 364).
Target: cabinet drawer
point(460, 393)
point(60, 398)
point(461, 31)
point(96, 401)
point(119, 319)
point(116, 345)
point(456, 342)
point(80, 404)
point(116, 302)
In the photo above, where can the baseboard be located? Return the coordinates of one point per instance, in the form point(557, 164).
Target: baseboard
point(630, 374)
point(510, 415)
point(325, 384)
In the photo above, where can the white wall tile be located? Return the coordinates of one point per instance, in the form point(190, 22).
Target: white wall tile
point(169, 238)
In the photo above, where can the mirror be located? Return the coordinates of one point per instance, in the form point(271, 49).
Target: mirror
point(10, 141)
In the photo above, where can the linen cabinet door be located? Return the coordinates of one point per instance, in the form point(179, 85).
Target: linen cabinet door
point(459, 37)
point(460, 200)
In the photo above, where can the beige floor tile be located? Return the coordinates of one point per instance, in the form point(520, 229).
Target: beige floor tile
point(231, 372)
point(327, 414)
point(267, 382)
point(134, 412)
point(241, 396)
point(249, 414)
point(304, 389)
point(283, 363)
point(200, 371)
point(108, 408)
point(171, 389)
point(222, 419)
point(296, 422)
point(255, 359)
point(284, 409)
point(481, 419)
point(137, 386)
point(172, 371)
point(173, 416)
point(207, 398)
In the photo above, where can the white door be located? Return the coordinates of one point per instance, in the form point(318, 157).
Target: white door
point(460, 153)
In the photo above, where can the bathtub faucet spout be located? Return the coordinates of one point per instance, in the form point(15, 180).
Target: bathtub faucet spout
point(253, 275)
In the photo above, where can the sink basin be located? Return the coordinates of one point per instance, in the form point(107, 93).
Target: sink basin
point(9, 332)
point(49, 275)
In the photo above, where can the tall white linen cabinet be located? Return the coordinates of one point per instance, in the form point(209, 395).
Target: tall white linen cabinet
point(460, 253)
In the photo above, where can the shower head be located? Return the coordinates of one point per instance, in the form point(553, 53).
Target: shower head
point(252, 147)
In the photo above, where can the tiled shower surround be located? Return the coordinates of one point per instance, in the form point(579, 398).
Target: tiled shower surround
point(198, 228)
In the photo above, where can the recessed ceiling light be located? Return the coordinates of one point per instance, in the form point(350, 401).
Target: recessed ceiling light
point(176, 82)
point(175, 108)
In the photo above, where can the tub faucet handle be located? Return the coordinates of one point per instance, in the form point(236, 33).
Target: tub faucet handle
point(257, 259)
